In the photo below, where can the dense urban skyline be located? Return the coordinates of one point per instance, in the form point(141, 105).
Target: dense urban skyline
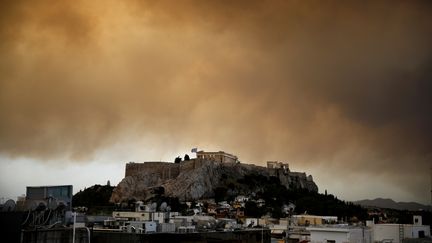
point(340, 90)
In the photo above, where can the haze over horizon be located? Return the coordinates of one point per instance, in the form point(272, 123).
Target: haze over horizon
point(340, 90)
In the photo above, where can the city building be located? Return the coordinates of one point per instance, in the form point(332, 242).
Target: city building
point(339, 234)
point(49, 196)
point(306, 220)
point(396, 233)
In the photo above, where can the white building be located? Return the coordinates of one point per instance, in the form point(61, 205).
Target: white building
point(241, 198)
point(339, 234)
point(395, 233)
point(141, 227)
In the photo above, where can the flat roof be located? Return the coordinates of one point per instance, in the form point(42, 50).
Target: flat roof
point(48, 186)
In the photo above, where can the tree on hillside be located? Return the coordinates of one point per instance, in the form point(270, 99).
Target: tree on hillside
point(94, 196)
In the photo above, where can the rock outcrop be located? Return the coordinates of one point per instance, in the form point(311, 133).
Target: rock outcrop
point(194, 179)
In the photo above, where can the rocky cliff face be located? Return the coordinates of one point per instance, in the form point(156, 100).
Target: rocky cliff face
point(197, 179)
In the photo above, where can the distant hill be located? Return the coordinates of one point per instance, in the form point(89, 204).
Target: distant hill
point(389, 203)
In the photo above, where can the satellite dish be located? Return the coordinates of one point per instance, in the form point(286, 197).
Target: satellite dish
point(153, 206)
point(9, 205)
point(163, 207)
point(61, 205)
point(52, 203)
point(41, 206)
point(35, 205)
point(31, 205)
point(139, 206)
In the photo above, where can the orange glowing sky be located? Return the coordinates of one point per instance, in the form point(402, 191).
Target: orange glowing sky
point(341, 90)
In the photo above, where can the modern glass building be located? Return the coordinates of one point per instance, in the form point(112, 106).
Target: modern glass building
point(61, 193)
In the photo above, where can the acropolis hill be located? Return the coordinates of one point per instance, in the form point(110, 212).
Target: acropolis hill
point(198, 178)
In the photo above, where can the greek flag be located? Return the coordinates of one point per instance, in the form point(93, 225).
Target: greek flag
point(194, 150)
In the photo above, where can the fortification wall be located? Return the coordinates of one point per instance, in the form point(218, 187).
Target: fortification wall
point(166, 170)
point(191, 164)
point(187, 165)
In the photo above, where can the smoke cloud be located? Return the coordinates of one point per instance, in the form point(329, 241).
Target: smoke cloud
point(337, 85)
